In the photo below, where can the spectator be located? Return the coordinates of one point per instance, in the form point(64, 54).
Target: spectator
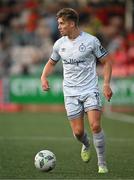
point(130, 53)
point(5, 60)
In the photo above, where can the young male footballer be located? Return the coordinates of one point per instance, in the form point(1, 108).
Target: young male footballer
point(79, 52)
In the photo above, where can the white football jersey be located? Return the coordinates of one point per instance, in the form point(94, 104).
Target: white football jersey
point(79, 58)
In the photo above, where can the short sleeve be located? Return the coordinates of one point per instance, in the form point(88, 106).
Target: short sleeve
point(55, 53)
point(99, 50)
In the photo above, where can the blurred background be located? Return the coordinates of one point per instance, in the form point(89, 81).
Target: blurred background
point(28, 29)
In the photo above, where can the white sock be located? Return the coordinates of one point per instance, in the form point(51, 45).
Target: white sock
point(99, 144)
point(84, 139)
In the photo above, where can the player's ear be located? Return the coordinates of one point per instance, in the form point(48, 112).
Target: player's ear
point(72, 23)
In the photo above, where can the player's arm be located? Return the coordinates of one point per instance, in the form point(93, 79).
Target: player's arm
point(48, 69)
point(107, 62)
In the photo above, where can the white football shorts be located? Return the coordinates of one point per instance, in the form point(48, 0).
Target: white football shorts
point(77, 105)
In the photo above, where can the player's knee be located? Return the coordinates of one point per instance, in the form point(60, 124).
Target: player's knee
point(95, 128)
point(78, 133)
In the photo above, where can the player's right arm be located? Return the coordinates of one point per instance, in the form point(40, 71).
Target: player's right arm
point(48, 69)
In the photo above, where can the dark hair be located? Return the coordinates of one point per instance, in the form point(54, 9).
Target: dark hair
point(68, 14)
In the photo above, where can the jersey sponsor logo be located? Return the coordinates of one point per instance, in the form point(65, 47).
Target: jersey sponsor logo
point(82, 48)
point(72, 61)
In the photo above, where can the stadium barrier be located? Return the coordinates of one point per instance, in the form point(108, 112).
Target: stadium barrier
point(26, 90)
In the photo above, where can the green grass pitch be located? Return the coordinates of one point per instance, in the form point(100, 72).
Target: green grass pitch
point(22, 135)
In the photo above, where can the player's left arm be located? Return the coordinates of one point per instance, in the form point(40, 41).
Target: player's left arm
point(107, 62)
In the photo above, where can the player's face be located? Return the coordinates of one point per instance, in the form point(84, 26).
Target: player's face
point(65, 27)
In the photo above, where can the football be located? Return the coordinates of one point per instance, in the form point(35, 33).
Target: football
point(45, 160)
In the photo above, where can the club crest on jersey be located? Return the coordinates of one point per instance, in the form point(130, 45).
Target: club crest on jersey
point(82, 48)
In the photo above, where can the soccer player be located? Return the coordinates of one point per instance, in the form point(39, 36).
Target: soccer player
point(79, 52)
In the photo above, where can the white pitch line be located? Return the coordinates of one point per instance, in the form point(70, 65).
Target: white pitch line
point(33, 138)
point(120, 117)
point(120, 139)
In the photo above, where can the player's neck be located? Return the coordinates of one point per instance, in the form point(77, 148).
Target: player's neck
point(74, 34)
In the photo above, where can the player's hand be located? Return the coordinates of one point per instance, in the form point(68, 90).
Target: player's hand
point(45, 84)
point(107, 91)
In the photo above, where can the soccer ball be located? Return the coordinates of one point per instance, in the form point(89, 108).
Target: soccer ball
point(45, 160)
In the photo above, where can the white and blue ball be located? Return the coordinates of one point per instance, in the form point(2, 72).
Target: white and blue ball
point(45, 160)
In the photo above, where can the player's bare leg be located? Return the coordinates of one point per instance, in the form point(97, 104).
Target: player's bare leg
point(77, 126)
point(94, 118)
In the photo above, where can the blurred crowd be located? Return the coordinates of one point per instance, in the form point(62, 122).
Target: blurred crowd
point(28, 29)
